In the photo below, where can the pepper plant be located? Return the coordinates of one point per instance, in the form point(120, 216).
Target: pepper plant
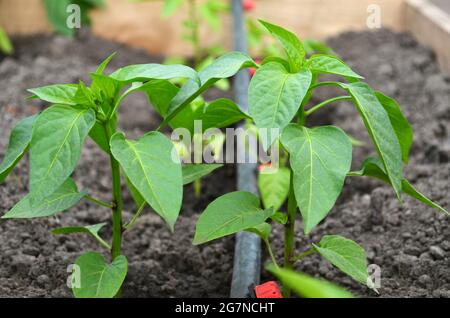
point(317, 160)
point(150, 166)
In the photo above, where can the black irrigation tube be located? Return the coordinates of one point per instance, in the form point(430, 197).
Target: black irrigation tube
point(247, 253)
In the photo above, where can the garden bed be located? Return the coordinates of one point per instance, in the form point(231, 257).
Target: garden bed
point(411, 243)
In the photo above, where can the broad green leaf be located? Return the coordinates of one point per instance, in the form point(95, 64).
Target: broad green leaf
point(401, 126)
point(373, 167)
point(291, 43)
point(346, 255)
point(229, 214)
point(101, 68)
point(19, 142)
point(90, 229)
point(170, 6)
point(263, 230)
point(194, 172)
point(98, 279)
point(146, 72)
point(278, 60)
point(274, 187)
point(160, 93)
point(56, 143)
point(220, 113)
point(275, 96)
point(307, 286)
point(137, 197)
point(154, 168)
point(56, 94)
point(65, 197)
point(225, 66)
point(5, 43)
point(381, 131)
point(320, 159)
point(329, 64)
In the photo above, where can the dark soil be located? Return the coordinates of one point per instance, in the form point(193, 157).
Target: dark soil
point(410, 242)
point(33, 263)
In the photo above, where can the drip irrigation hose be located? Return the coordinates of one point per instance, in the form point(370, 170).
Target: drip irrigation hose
point(247, 252)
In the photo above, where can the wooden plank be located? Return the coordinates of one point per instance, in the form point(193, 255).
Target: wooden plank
point(140, 24)
point(431, 26)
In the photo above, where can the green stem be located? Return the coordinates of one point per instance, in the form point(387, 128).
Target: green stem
point(117, 201)
point(289, 234)
point(272, 256)
point(325, 103)
point(324, 84)
point(302, 256)
point(130, 224)
point(99, 202)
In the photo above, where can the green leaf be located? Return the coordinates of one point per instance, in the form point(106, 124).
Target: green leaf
point(65, 197)
point(217, 114)
point(196, 171)
point(346, 255)
point(90, 229)
point(98, 134)
point(280, 218)
point(229, 214)
point(101, 68)
point(373, 167)
point(5, 43)
point(170, 6)
point(320, 159)
point(57, 16)
point(56, 94)
point(401, 126)
point(307, 286)
point(291, 43)
point(153, 167)
point(329, 64)
point(224, 67)
point(160, 93)
point(56, 143)
point(146, 72)
point(274, 187)
point(18, 145)
point(275, 96)
point(137, 197)
point(263, 230)
point(221, 113)
point(381, 131)
point(98, 279)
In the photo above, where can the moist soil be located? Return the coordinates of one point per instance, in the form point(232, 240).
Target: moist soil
point(410, 242)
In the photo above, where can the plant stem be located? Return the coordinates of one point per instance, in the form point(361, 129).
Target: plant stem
point(302, 256)
point(289, 232)
point(325, 103)
point(99, 202)
point(117, 201)
point(130, 224)
point(272, 256)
